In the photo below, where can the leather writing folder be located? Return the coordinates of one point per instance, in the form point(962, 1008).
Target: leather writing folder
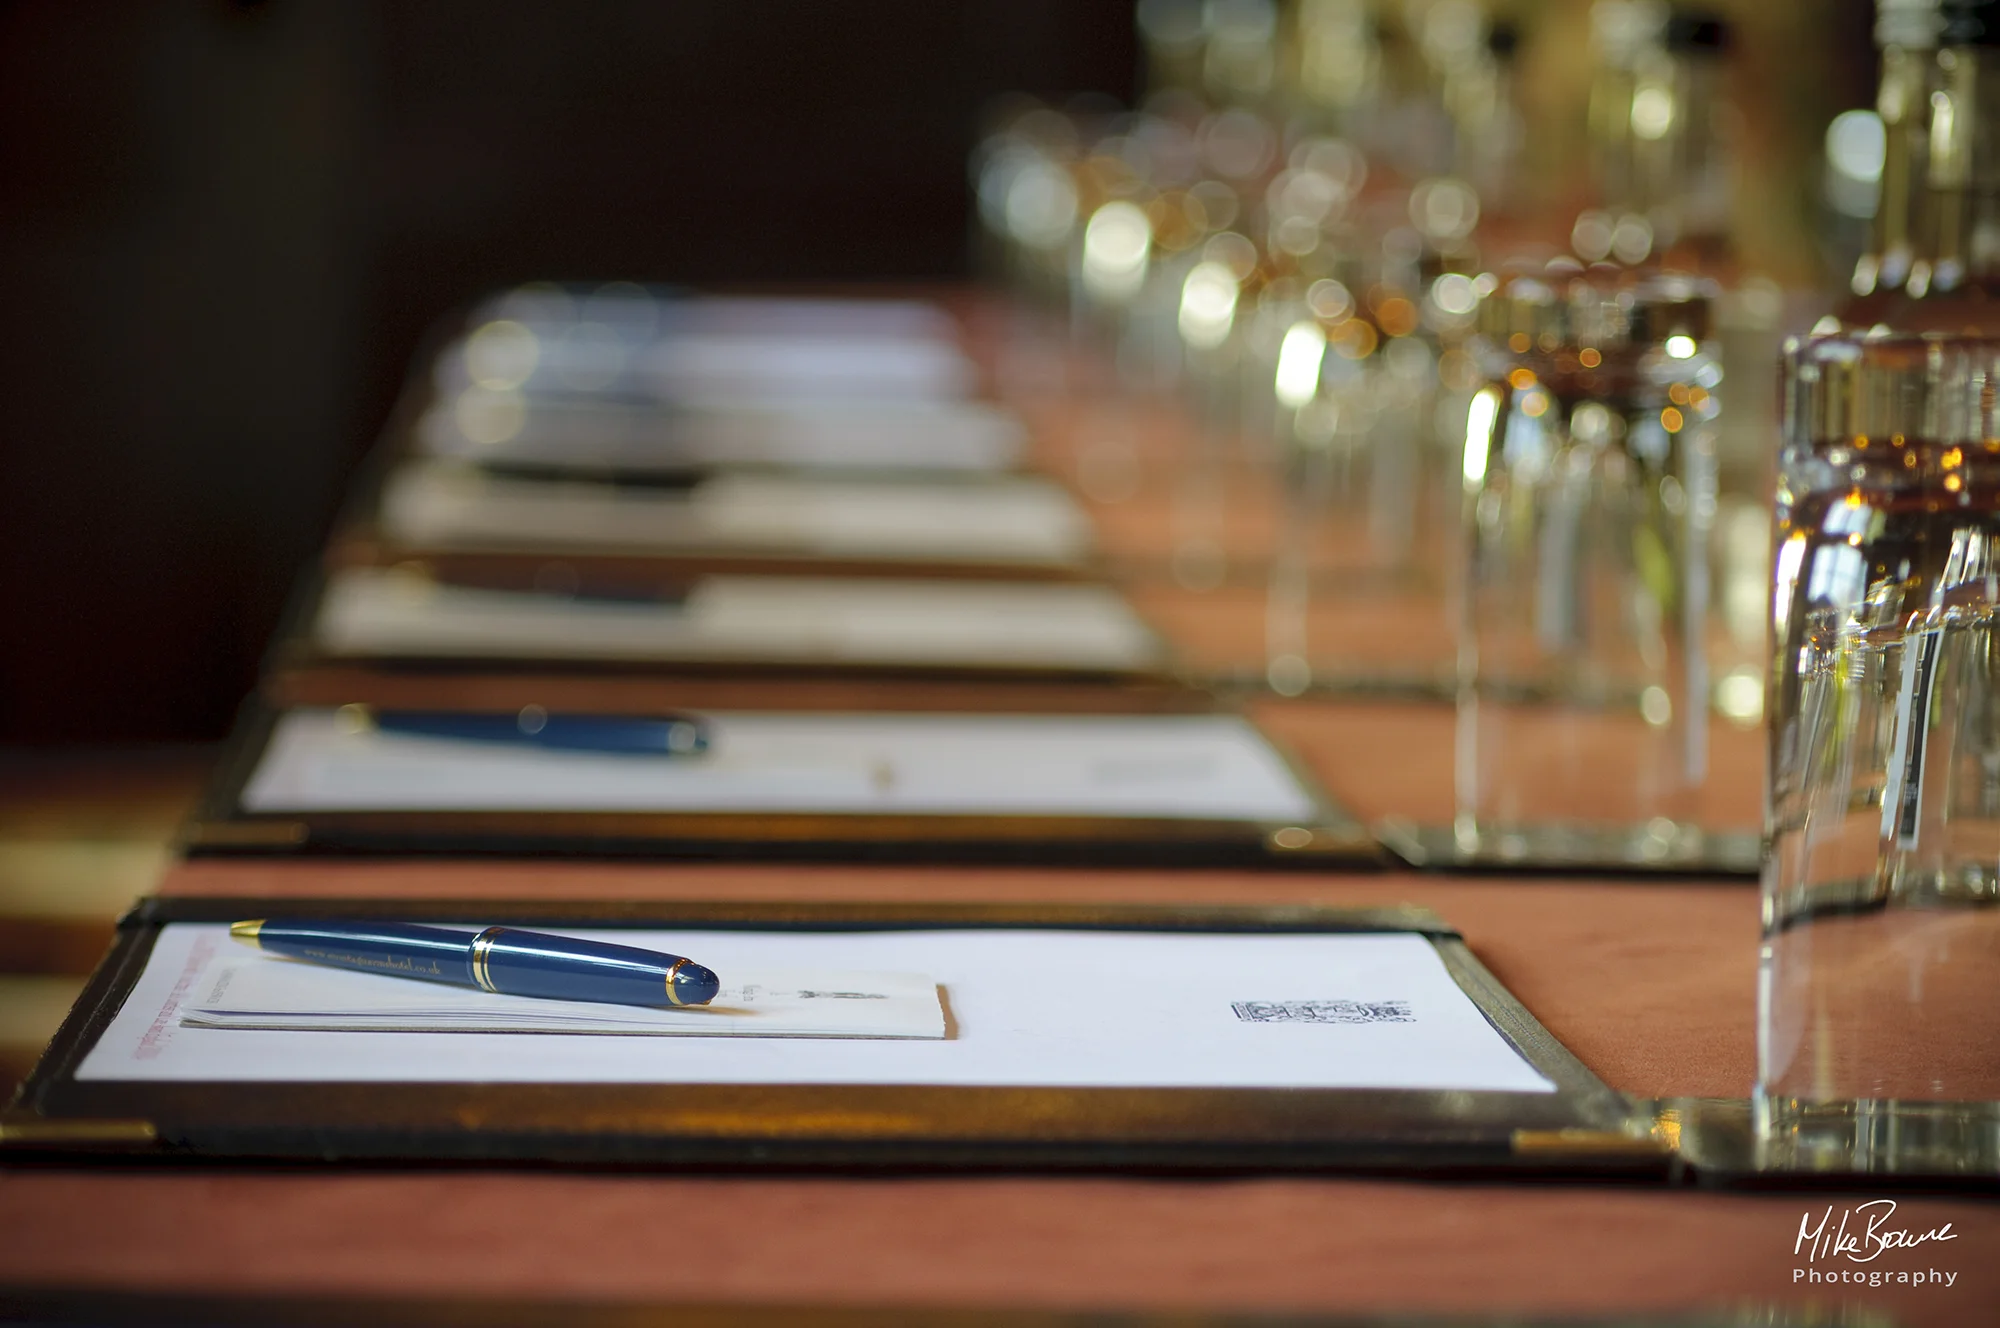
point(1268, 1055)
point(995, 774)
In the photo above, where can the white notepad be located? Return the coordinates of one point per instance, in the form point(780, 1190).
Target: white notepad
point(703, 366)
point(1027, 522)
point(266, 992)
point(586, 433)
point(1201, 767)
point(375, 612)
point(637, 311)
point(1026, 1008)
point(696, 351)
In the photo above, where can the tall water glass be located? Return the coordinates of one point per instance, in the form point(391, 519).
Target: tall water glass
point(1879, 989)
point(1589, 488)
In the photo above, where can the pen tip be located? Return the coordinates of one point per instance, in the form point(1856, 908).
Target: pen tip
point(694, 985)
point(246, 932)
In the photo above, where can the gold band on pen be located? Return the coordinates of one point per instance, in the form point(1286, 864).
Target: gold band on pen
point(482, 945)
point(246, 932)
point(673, 995)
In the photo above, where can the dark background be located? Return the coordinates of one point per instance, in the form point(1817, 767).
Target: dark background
point(225, 228)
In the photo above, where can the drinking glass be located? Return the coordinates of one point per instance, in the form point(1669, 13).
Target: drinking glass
point(1878, 1031)
point(1589, 489)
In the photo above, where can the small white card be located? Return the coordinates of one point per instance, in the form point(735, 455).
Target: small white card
point(272, 993)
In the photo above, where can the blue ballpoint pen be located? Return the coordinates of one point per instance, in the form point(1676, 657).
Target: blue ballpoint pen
point(499, 959)
point(672, 735)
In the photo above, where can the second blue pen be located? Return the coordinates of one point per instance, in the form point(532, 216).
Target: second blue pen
point(633, 735)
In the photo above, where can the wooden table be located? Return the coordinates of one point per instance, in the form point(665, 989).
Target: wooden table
point(1650, 983)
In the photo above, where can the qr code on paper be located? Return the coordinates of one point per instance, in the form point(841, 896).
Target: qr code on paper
point(1324, 1012)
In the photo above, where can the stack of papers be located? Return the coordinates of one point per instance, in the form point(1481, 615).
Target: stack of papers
point(271, 993)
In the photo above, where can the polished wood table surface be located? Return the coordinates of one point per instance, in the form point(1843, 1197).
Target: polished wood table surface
point(1650, 984)
point(81, 834)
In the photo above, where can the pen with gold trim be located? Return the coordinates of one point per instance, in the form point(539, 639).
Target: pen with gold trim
point(502, 960)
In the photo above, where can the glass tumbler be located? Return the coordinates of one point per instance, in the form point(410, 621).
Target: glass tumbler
point(1588, 492)
point(1879, 1027)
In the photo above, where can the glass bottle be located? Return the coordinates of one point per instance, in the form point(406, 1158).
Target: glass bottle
point(1691, 216)
point(1907, 33)
point(1633, 73)
point(1660, 135)
point(1954, 279)
point(1489, 131)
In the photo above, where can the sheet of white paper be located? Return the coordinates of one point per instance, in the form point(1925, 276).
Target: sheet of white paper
point(267, 992)
point(694, 351)
point(707, 366)
point(585, 433)
point(1027, 1008)
point(819, 315)
point(640, 312)
point(383, 612)
point(1006, 521)
point(1177, 766)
